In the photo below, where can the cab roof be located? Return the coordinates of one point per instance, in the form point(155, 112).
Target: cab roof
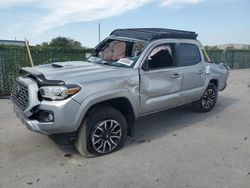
point(149, 34)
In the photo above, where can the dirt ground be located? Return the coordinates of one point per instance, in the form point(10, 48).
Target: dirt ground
point(175, 148)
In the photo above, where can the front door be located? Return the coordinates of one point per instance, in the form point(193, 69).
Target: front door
point(160, 80)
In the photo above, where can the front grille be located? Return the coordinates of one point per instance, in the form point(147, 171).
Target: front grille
point(20, 95)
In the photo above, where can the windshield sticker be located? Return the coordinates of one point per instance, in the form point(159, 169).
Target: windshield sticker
point(125, 61)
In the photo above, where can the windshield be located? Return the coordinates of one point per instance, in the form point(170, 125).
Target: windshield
point(118, 53)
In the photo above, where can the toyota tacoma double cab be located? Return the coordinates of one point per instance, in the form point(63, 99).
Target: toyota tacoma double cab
point(132, 73)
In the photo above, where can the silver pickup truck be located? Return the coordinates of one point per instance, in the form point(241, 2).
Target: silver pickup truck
point(132, 73)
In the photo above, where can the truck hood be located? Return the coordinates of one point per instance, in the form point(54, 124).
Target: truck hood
point(79, 71)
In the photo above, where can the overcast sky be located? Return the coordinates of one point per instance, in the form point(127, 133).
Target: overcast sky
point(216, 22)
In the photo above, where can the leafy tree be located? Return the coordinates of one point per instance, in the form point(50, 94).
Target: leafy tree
point(44, 44)
point(62, 42)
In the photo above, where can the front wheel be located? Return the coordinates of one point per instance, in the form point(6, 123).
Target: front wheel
point(103, 132)
point(208, 99)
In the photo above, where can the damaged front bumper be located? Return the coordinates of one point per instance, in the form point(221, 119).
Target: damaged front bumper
point(42, 116)
point(64, 114)
point(32, 125)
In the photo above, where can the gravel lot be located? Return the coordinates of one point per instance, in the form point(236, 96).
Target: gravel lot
point(174, 148)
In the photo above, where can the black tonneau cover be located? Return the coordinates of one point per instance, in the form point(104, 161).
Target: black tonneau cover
point(150, 34)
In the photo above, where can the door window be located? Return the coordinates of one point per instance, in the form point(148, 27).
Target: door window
point(161, 56)
point(188, 54)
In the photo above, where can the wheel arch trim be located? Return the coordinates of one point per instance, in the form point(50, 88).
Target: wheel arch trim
point(97, 98)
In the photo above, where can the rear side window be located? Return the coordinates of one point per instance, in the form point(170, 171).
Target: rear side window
point(187, 55)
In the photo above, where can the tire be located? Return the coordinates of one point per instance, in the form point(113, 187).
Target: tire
point(208, 99)
point(103, 131)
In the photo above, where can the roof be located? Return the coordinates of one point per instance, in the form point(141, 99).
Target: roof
point(12, 42)
point(150, 34)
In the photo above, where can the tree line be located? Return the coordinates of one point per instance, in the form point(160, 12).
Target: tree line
point(62, 42)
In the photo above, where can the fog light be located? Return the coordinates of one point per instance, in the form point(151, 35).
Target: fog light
point(43, 116)
point(50, 117)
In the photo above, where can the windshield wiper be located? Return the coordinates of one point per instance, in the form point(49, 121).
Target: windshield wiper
point(106, 63)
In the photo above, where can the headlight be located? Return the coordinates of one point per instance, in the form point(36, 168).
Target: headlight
point(59, 92)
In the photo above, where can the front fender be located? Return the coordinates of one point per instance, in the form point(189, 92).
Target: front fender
point(103, 96)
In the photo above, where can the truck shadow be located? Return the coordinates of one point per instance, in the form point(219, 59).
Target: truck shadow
point(169, 121)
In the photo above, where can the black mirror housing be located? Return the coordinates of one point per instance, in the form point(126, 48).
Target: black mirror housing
point(145, 66)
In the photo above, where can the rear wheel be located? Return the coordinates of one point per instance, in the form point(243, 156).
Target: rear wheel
point(104, 131)
point(208, 99)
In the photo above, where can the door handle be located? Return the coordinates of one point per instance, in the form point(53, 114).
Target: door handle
point(200, 71)
point(176, 75)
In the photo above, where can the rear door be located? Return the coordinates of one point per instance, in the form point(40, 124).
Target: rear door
point(189, 59)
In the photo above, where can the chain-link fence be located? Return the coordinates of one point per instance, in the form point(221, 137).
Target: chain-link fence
point(14, 57)
point(235, 59)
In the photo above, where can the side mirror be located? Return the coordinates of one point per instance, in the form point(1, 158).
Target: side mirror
point(145, 65)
